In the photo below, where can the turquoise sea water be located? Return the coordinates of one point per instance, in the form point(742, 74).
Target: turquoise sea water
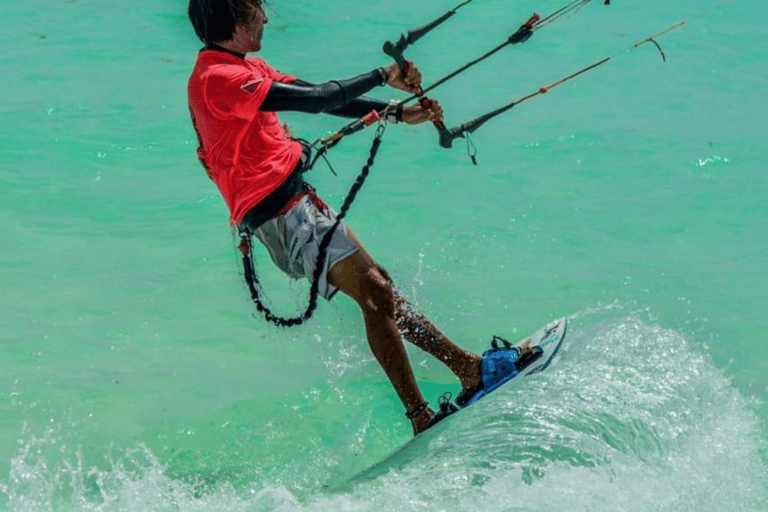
point(134, 376)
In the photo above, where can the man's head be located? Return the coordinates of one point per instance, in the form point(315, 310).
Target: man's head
point(240, 21)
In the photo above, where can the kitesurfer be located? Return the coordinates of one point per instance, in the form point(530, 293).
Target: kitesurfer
point(258, 168)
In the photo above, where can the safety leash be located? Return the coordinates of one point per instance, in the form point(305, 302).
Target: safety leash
point(249, 267)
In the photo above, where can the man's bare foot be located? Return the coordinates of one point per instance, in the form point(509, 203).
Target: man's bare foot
point(472, 376)
point(472, 381)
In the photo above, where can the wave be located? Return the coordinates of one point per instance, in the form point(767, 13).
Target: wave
point(629, 417)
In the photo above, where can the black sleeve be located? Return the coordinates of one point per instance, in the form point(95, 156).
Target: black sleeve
point(342, 97)
point(356, 108)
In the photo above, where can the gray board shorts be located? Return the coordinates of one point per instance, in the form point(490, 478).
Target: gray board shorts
point(293, 241)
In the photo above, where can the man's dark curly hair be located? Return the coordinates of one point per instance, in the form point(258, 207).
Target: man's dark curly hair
point(215, 20)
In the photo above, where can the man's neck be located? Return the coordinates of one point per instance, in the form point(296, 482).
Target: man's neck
point(229, 47)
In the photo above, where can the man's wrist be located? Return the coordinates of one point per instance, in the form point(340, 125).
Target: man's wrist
point(384, 75)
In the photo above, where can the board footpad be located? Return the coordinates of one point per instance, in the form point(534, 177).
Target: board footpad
point(529, 358)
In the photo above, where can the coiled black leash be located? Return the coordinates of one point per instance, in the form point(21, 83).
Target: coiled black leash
point(249, 268)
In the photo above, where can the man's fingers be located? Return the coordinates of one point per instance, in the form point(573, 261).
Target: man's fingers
point(413, 75)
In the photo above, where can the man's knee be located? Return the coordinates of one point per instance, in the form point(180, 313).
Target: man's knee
point(378, 295)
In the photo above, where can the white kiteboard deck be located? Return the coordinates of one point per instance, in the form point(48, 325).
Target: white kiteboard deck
point(544, 343)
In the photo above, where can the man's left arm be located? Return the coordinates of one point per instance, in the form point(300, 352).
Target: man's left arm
point(358, 107)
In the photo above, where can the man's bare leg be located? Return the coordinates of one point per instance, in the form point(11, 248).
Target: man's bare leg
point(422, 333)
point(360, 279)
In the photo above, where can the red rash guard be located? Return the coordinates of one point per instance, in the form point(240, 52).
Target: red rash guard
point(244, 150)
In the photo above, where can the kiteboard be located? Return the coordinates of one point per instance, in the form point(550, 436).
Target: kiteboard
point(505, 362)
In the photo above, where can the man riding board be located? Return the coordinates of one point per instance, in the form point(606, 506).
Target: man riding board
point(258, 167)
